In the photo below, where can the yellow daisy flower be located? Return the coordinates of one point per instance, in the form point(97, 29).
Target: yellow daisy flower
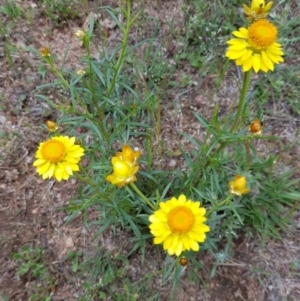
point(179, 225)
point(58, 157)
point(256, 47)
point(125, 166)
point(258, 9)
point(238, 186)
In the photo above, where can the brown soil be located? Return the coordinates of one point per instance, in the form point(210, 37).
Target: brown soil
point(30, 212)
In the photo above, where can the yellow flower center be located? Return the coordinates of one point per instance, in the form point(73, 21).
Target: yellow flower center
point(180, 220)
point(262, 34)
point(53, 151)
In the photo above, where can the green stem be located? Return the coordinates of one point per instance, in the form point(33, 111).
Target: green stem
point(91, 85)
point(123, 51)
point(145, 199)
point(246, 82)
point(84, 179)
point(58, 74)
point(217, 206)
point(64, 82)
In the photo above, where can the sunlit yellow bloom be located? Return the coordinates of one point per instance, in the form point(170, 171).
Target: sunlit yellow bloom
point(45, 52)
point(58, 157)
point(238, 186)
point(256, 47)
point(258, 9)
point(51, 125)
point(79, 33)
point(179, 225)
point(256, 127)
point(125, 166)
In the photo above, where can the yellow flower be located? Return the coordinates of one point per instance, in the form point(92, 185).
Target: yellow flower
point(179, 225)
point(45, 52)
point(238, 186)
point(256, 47)
point(125, 166)
point(256, 127)
point(258, 9)
point(58, 157)
point(51, 125)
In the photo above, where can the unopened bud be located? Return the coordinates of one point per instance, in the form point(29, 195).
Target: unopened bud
point(256, 127)
point(51, 125)
point(80, 72)
point(79, 33)
point(45, 52)
point(183, 261)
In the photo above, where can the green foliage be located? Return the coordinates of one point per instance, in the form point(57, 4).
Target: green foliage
point(31, 266)
point(61, 10)
point(11, 9)
point(31, 262)
point(260, 274)
point(107, 278)
point(4, 298)
point(10, 14)
point(272, 205)
point(74, 257)
point(207, 28)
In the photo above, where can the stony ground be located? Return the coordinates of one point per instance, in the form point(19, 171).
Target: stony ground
point(30, 212)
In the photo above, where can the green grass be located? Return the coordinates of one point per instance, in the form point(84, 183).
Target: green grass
point(107, 278)
point(31, 263)
point(61, 11)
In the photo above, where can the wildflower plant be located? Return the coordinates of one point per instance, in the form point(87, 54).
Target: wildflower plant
point(225, 189)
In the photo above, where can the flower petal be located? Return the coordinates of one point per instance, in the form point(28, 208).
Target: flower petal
point(256, 63)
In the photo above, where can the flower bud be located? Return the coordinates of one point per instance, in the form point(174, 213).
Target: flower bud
point(256, 127)
point(79, 33)
point(238, 186)
point(183, 261)
point(45, 52)
point(80, 72)
point(51, 125)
